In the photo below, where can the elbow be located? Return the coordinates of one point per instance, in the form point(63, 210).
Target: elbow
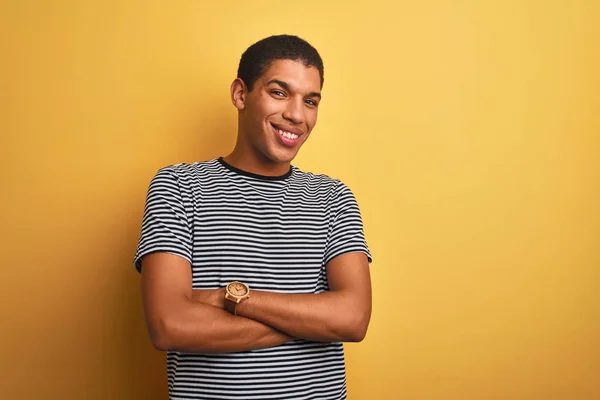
point(356, 328)
point(357, 334)
point(160, 334)
point(357, 337)
point(160, 342)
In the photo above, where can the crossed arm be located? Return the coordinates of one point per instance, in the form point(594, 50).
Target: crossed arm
point(182, 319)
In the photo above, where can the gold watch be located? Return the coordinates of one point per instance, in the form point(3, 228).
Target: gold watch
point(235, 293)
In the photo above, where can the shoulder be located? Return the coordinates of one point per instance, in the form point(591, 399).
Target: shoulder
point(321, 183)
point(184, 173)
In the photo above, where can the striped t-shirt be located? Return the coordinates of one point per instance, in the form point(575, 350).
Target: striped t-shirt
point(275, 234)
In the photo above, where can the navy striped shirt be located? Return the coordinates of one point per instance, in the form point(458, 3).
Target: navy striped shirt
point(275, 234)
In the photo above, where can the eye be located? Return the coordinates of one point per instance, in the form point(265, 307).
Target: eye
point(311, 103)
point(278, 93)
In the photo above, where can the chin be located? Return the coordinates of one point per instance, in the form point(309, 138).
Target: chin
point(280, 156)
point(281, 159)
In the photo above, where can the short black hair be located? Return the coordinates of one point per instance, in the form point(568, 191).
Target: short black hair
point(258, 57)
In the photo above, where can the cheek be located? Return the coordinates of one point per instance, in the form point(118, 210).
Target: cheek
point(267, 105)
point(260, 106)
point(311, 119)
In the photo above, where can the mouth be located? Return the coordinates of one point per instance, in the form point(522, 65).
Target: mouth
point(287, 136)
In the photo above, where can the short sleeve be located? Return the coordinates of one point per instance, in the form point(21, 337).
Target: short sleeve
point(165, 226)
point(346, 233)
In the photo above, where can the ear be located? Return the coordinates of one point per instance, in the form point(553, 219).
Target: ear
point(238, 93)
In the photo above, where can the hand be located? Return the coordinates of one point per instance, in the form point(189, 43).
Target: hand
point(213, 297)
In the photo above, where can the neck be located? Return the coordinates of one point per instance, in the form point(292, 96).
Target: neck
point(254, 163)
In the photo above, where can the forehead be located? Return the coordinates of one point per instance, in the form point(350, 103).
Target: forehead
point(294, 73)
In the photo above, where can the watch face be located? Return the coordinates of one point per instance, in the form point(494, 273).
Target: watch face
point(237, 289)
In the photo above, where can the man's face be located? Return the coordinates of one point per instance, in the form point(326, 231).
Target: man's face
point(281, 111)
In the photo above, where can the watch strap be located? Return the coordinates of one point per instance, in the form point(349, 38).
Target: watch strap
point(231, 306)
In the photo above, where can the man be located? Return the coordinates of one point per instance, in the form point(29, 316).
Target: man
point(253, 272)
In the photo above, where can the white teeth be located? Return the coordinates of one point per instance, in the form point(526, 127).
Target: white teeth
point(288, 135)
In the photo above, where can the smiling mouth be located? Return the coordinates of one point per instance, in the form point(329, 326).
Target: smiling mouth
point(287, 136)
point(286, 133)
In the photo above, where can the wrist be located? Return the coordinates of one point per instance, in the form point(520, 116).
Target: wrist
point(219, 298)
point(235, 293)
point(241, 309)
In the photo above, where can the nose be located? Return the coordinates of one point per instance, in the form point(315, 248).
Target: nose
point(294, 111)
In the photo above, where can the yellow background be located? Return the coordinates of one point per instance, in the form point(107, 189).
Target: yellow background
point(468, 130)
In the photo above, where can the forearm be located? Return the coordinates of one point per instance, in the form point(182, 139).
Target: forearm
point(329, 316)
point(201, 328)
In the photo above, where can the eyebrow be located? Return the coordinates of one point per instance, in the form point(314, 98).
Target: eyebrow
point(285, 86)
